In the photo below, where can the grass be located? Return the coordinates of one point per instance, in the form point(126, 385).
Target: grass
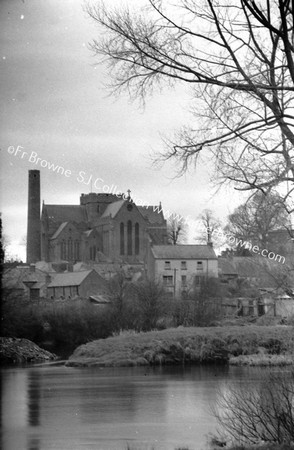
point(184, 346)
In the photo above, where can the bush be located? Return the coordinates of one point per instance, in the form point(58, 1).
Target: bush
point(261, 412)
point(68, 323)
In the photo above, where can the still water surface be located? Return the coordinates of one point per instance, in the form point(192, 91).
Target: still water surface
point(56, 407)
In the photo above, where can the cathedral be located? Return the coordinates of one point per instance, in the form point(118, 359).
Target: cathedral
point(103, 227)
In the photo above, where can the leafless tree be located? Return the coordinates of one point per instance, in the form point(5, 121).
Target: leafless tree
point(210, 224)
point(238, 58)
point(261, 412)
point(176, 229)
point(254, 220)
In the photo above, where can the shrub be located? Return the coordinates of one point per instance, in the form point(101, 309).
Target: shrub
point(261, 412)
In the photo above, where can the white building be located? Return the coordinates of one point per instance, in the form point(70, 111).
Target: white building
point(181, 267)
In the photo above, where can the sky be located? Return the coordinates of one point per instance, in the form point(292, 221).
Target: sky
point(55, 107)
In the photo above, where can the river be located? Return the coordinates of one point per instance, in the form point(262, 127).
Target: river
point(48, 407)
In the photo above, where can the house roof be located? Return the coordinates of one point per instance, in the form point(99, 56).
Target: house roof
point(69, 278)
point(113, 208)
point(183, 252)
point(153, 217)
point(16, 277)
point(66, 213)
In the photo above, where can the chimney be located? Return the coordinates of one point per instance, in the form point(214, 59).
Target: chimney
point(32, 268)
point(34, 222)
point(70, 267)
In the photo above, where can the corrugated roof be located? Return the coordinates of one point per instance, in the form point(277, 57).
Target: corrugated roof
point(66, 213)
point(183, 252)
point(113, 208)
point(69, 279)
point(153, 217)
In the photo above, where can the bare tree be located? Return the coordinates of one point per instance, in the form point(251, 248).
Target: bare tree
point(210, 224)
point(257, 218)
point(176, 229)
point(238, 58)
point(261, 412)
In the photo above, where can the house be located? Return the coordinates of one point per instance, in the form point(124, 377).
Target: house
point(181, 267)
point(71, 284)
point(27, 281)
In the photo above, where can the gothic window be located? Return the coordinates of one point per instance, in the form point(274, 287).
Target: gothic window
point(137, 239)
point(69, 249)
point(130, 237)
point(122, 238)
point(77, 251)
point(63, 250)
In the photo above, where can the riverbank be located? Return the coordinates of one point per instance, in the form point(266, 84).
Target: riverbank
point(185, 346)
point(14, 350)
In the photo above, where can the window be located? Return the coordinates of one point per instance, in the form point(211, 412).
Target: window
point(167, 280)
point(69, 249)
point(184, 280)
point(130, 237)
point(63, 250)
point(184, 265)
point(197, 281)
point(77, 250)
point(137, 239)
point(199, 265)
point(167, 265)
point(122, 238)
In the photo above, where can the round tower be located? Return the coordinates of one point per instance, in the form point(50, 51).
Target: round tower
point(34, 222)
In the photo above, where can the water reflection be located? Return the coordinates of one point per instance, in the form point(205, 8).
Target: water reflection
point(34, 395)
point(33, 444)
point(67, 408)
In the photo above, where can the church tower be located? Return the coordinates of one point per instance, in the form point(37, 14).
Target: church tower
point(34, 222)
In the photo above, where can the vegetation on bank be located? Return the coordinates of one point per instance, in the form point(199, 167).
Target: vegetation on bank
point(184, 346)
point(140, 306)
point(14, 350)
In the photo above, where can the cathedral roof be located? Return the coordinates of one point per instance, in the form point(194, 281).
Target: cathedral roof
point(153, 217)
point(183, 252)
point(66, 213)
point(113, 208)
point(59, 230)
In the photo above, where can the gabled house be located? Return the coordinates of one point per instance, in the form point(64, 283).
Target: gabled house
point(71, 284)
point(181, 267)
point(27, 281)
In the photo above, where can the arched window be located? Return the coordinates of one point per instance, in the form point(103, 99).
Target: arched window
point(122, 238)
point(77, 251)
point(130, 236)
point(69, 249)
point(137, 239)
point(62, 250)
